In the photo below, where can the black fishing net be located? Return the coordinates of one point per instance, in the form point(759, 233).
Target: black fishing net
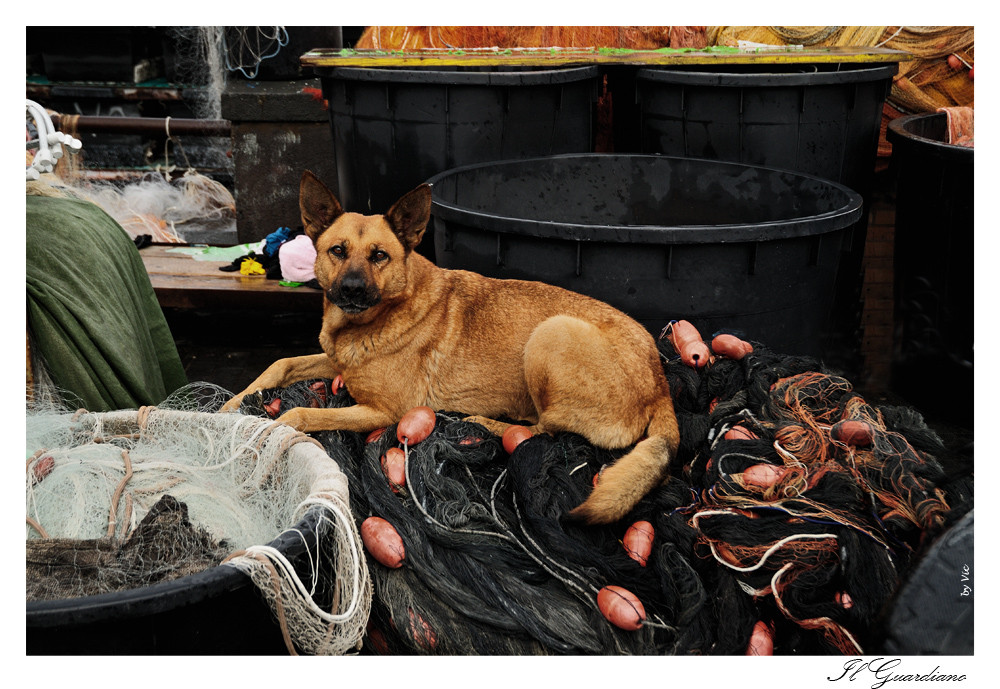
point(778, 524)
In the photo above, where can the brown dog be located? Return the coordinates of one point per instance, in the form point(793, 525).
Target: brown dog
point(403, 333)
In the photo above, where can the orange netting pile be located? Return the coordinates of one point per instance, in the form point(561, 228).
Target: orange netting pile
point(448, 37)
point(939, 76)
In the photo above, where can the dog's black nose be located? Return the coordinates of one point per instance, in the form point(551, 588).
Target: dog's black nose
point(354, 293)
point(353, 287)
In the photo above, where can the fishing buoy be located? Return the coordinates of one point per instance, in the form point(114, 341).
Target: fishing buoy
point(761, 640)
point(687, 342)
point(514, 436)
point(394, 467)
point(319, 389)
point(273, 407)
point(621, 608)
point(731, 346)
point(853, 433)
point(844, 600)
point(954, 62)
point(43, 467)
point(416, 425)
point(337, 385)
point(374, 435)
point(638, 541)
point(597, 477)
point(422, 633)
point(377, 640)
point(739, 433)
point(383, 542)
point(763, 475)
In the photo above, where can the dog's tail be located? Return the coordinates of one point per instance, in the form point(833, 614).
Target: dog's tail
point(627, 481)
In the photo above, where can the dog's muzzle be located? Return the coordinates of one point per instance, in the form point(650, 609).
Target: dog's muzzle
point(354, 294)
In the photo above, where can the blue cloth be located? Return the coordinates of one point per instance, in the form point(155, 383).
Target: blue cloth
point(274, 240)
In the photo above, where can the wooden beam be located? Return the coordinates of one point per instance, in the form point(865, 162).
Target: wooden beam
point(562, 57)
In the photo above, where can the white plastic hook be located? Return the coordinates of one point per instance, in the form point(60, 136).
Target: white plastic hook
point(50, 142)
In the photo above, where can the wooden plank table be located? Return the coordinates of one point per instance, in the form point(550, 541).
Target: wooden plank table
point(180, 281)
point(564, 57)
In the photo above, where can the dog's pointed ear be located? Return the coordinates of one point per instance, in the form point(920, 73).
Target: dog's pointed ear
point(409, 216)
point(318, 205)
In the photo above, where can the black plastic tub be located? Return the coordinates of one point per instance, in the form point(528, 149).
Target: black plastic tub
point(216, 612)
point(394, 128)
point(820, 120)
point(723, 245)
point(817, 119)
point(933, 262)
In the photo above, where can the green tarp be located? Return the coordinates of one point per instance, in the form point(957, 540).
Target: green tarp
point(91, 311)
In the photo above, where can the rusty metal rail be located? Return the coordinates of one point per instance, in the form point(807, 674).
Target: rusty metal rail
point(143, 125)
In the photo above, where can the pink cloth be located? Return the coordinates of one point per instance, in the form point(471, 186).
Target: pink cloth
point(297, 258)
point(961, 125)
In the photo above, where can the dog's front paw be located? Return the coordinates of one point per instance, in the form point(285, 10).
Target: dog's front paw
point(233, 404)
point(295, 418)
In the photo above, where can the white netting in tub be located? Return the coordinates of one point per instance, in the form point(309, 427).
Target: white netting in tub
point(122, 500)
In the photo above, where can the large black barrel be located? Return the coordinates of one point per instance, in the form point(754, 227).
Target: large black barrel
point(723, 245)
point(933, 263)
point(394, 128)
point(817, 119)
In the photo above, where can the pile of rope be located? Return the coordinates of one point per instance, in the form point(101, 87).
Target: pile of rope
point(468, 37)
point(796, 528)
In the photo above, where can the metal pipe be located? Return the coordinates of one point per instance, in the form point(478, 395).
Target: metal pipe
point(143, 125)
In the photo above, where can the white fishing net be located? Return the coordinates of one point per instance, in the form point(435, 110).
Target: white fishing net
point(129, 498)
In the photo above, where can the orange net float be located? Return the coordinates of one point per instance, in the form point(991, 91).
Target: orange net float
point(383, 542)
point(422, 632)
point(761, 640)
point(853, 433)
point(377, 640)
point(731, 346)
point(319, 390)
point(514, 436)
point(374, 435)
point(763, 475)
point(621, 607)
point(416, 425)
point(638, 541)
point(740, 433)
point(688, 343)
point(42, 468)
point(394, 467)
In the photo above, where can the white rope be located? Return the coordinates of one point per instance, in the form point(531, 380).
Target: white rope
point(290, 576)
point(770, 551)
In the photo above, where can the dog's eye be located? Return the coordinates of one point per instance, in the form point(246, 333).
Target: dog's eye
point(338, 251)
point(378, 256)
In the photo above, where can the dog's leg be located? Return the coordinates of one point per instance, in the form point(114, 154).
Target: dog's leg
point(623, 484)
point(283, 373)
point(605, 383)
point(360, 418)
point(498, 427)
